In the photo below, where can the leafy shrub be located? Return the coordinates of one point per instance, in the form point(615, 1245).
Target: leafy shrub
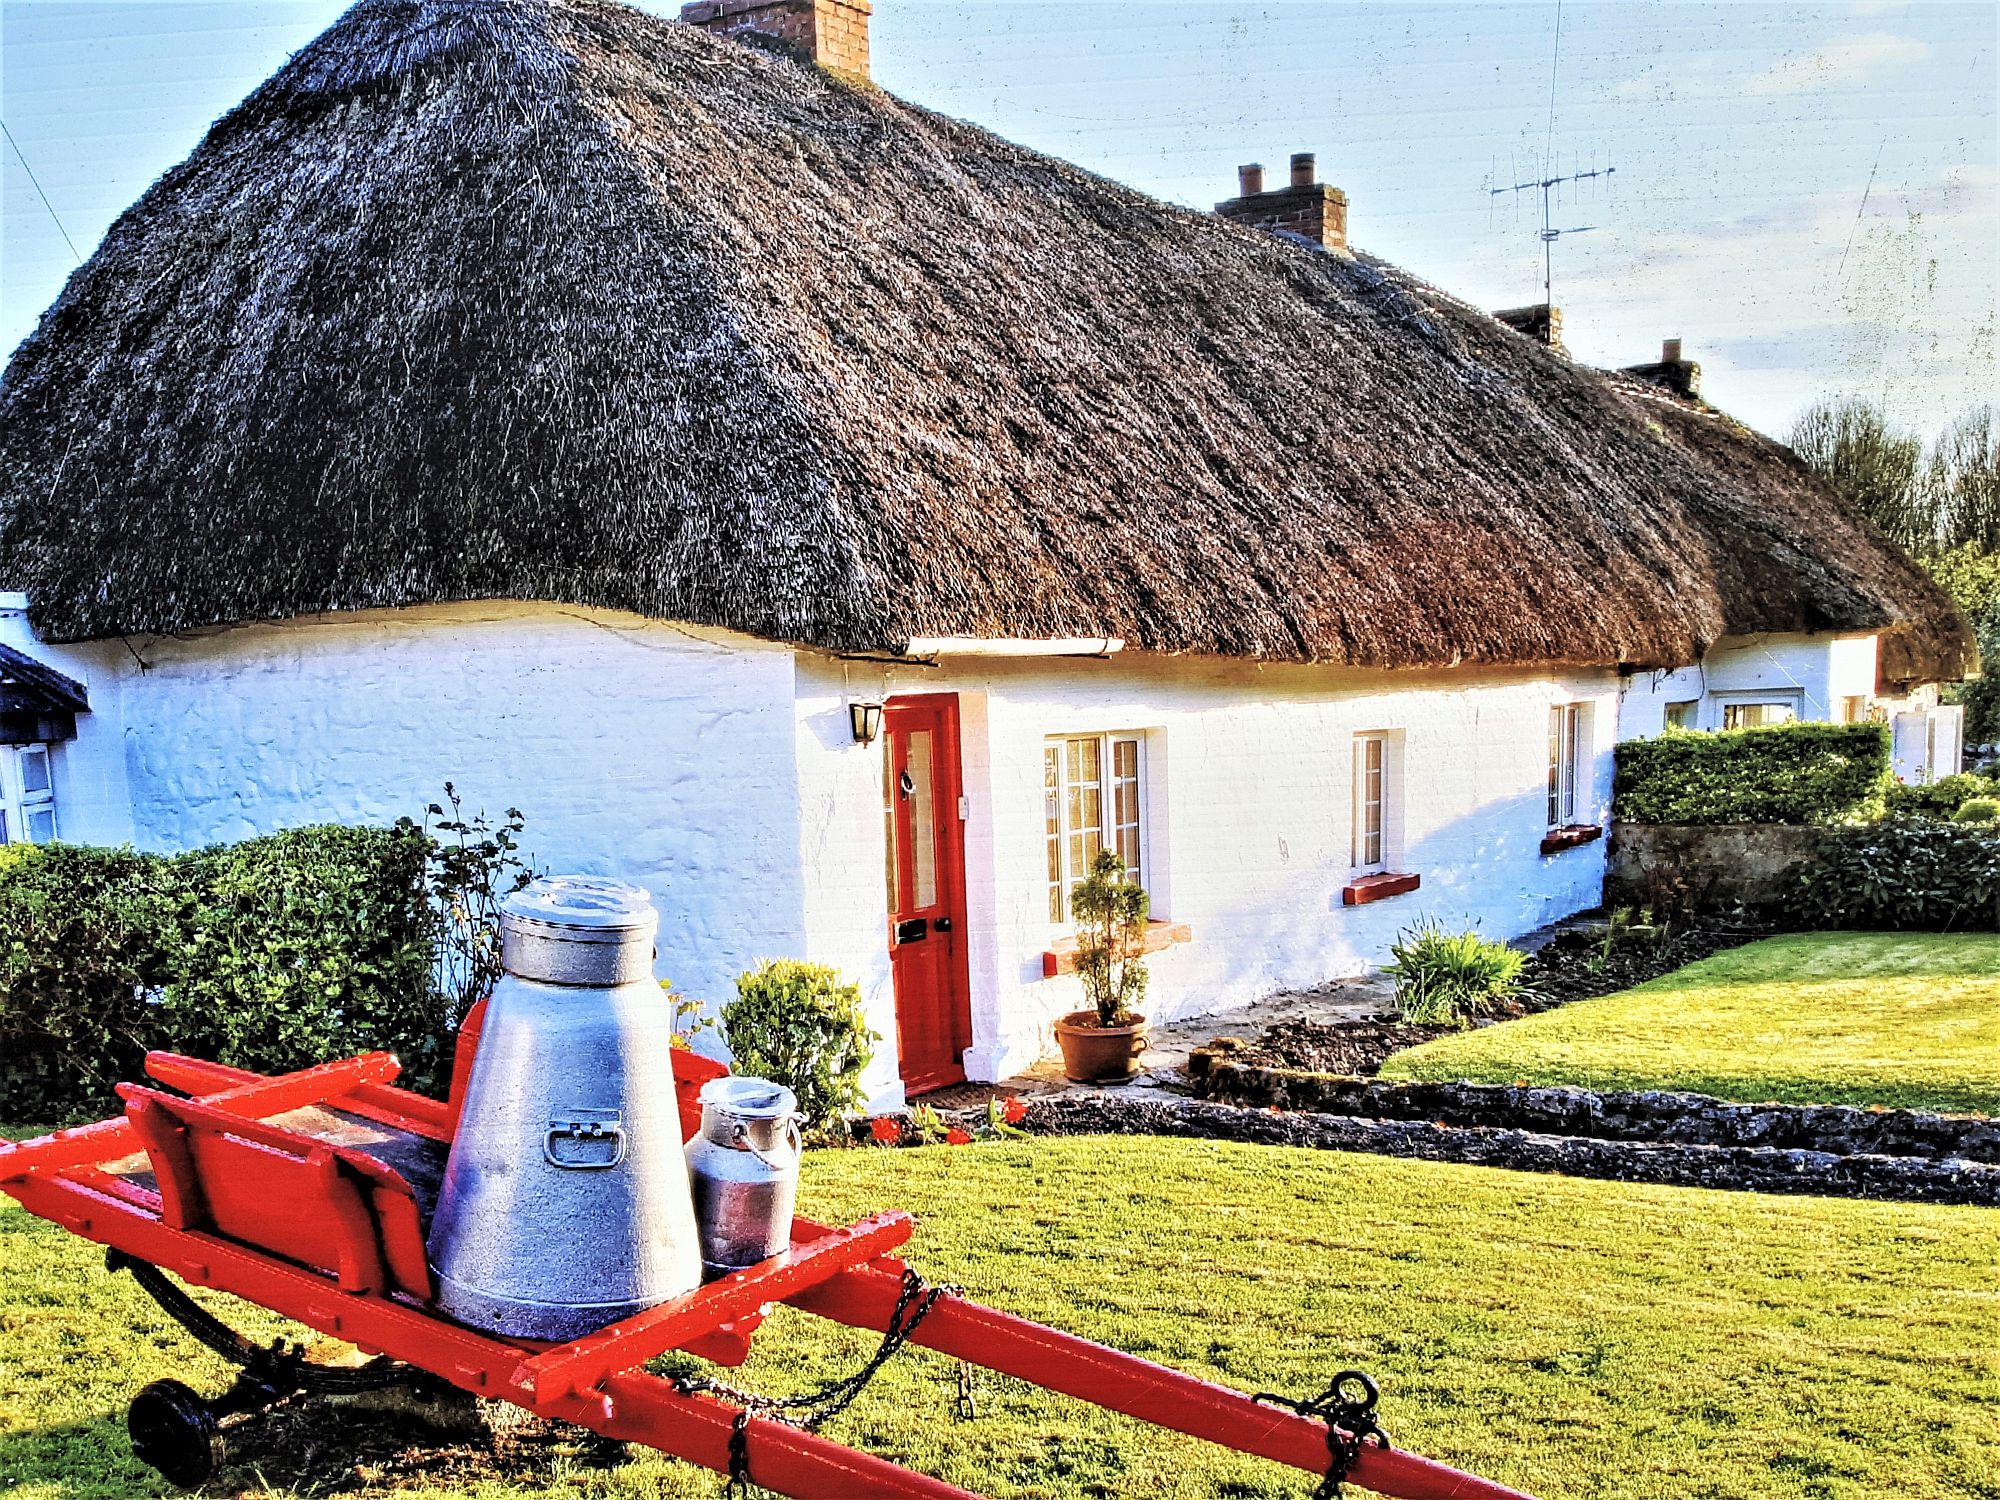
point(797, 1024)
point(1905, 874)
point(1110, 912)
point(273, 954)
point(1978, 810)
point(1789, 773)
point(1937, 799)
point(1442, 977)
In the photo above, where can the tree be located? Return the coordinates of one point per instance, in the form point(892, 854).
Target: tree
point(1876, 470)
point(1964, 476)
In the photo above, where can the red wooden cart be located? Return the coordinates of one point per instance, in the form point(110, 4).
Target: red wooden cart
point(307, 1195)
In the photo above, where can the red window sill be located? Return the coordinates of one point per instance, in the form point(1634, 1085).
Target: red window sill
point(1061, 956)
point(1558, 839)
point(1377, 888)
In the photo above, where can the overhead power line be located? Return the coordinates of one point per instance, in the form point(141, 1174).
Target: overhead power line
point(53, 217)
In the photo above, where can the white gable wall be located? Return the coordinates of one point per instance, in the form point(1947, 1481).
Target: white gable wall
point(652, 752)
point(1814, 672)
point(1250, 814)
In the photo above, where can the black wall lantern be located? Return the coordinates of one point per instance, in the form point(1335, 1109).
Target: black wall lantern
point(865, 719)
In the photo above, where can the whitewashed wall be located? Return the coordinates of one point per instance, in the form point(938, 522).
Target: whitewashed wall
point(1249, 821)
point(1818, 670)
point(638, 749)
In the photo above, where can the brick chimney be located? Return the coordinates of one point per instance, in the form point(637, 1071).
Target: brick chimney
point(1541, 322)
point(1307, 207)
point(1671, 372)
point(832, 33)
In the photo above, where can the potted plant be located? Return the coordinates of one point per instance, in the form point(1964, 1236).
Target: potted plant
point(1104, 1042)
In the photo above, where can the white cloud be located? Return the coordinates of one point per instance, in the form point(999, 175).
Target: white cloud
point(1848, 59)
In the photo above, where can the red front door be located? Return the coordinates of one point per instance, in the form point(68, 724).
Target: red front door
point(927, 889)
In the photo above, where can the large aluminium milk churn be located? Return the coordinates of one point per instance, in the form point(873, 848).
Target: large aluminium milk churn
point(745, 1166)
point(565, 1202)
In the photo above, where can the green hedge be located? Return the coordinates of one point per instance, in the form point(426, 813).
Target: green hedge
point(273, 954)
point(1790, 773)
point(1904, 875)
point(1941, 798)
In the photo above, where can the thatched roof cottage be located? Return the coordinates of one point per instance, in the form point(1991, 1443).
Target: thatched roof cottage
point(606, 413)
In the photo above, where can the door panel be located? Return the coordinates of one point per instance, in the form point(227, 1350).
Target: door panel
point(926, 882)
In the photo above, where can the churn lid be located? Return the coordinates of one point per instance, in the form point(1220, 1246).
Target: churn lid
point(578, 929)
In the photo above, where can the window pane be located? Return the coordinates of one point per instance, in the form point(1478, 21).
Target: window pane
point(890, 794)
point(1084, 804)
point(1125, 804)
point(1052, 817)
point(5, 838)
point(34, 770)
point(923, 822)
point(1369, 842)
point(1572, 759)
point(41, 825)
point(1682, 715)
point(1555, 765)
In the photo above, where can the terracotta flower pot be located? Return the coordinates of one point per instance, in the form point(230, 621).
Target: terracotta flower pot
point(1097, 1054)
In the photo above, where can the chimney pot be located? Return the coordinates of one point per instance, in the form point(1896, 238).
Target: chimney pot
point(1250, 179)
point(1305, 170)
point(1670, 352)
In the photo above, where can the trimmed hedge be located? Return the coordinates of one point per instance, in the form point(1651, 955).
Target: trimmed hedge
point(1789, 773)
point(1941, 798)
point(1904, 875)
point(273, 954)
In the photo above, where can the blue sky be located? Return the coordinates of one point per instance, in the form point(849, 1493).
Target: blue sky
point(1809, 196)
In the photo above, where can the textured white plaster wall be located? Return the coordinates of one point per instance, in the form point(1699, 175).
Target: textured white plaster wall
point(636, 749)
point(1249, 821)
point(1818, 670)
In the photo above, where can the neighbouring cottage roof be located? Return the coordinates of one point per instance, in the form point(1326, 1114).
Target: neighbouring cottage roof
point(550, 299)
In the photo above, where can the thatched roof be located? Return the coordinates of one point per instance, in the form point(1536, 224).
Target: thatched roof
point(550, 299)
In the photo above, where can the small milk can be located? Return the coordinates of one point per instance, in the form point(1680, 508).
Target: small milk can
point(745, 1171)
point(565, 1202)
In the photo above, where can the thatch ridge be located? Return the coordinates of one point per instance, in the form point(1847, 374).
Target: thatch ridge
point(549, 299)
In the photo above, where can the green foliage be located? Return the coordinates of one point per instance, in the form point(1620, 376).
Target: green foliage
point(273, 954)
point(798, 1024)
point(1110, 912)
point(1878, 471)
point(1978, 810)
point(1937, 799)
point(1788, 773)
point(1445, 977)
point(1905, 874)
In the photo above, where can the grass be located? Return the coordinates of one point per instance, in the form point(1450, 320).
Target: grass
point(1573, 1338)
point(1903, 1020)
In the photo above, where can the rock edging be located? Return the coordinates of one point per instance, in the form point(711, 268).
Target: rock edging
point(1655, 1116)
point(1764, 1169)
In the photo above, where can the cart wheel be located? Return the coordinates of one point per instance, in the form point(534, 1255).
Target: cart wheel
point(173, 1430)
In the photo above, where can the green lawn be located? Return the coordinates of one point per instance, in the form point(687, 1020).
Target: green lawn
point(1575, 1338)
point(1909, 1020)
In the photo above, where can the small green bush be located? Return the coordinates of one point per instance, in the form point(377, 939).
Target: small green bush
point(1789, 773)
point(1905, 875)
point(797, 1024)
point(1937, 799)
point(1443, 977)
point(1110, 910)
point(1978, 810)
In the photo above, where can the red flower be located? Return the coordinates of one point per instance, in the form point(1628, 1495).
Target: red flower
point(885, 1130)
point(1014, 1111)
point(957, 1136)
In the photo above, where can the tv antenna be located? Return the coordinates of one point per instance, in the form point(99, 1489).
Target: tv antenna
point(1549, 188)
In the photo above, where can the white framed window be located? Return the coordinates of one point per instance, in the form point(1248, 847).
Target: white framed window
point(27, 795)
point(1569, 765)
point(1685, 714)
point(1094, 794)
point(1378, 800)
point(1758, 715)
point(1855, 709)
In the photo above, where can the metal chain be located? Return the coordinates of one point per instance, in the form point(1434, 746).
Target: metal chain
point(1348, 1409)
point(810, 1410)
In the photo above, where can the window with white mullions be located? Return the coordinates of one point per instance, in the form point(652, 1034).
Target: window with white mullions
point(1569, 761)
point(27, 795)
point(1093, 790)
point(1371, 802)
